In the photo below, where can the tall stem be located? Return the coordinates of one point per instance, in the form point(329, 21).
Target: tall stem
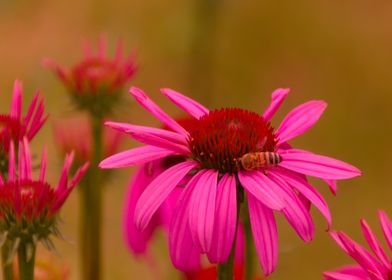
point(91, 208)
point(225, 271)
point(249, 267)
point(6, 265)
point(26, 260)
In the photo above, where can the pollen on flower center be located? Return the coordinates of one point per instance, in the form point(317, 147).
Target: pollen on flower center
point(218, 139)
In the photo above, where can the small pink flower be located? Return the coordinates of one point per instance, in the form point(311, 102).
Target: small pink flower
point(214, 144)
point(96, 81)
point(376, 266)
point(75, 134)
point(13, 126)
point(28, 206)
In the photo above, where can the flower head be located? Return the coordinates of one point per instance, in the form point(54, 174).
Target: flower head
point(75, 135)
point(14, 127)
point(28, 206)
point(228, 152)
point(95, 82)
point(371, 265)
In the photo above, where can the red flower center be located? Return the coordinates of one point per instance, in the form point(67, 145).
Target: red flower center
point(221, 137)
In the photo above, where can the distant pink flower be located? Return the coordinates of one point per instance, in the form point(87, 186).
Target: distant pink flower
point(204, 220)
point(75, 134)
point(13, 126)
point(28, 206)
point(96, 81)
point(376, 266)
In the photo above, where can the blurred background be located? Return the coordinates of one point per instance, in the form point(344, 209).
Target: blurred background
point(224, 53)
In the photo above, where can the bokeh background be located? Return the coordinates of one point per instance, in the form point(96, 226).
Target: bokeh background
point(224, 53)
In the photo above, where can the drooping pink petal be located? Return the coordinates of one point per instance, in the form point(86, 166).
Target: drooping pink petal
point(135, 239)
point(183, 253)
point(44, 159)
point(265, 234)
point(153, 140)
point(150, 106)
point(158, 190)
point(386, 226)
point(305, 189)
point(225, 220)
point(277, 97)
point(135, 156)
point(375, 244)
point(239, 245)
point(16, 104)
point(300, 119)
point(202, 209)
point(161, 133)
point(261, 187)
point(353, 272)
point(189, 105)
point(318, 166)
point(295, 211)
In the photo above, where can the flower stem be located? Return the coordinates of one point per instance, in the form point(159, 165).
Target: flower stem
point(91, 200)
point(26, 260)
point(249, 268)
point(6, 265)
point(225, 271)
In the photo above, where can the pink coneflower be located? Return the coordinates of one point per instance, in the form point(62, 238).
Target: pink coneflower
point(96, 81)
point(376, 266)
point(75, 135)
point(28, 206)
point(228, 151)
point(14, 127)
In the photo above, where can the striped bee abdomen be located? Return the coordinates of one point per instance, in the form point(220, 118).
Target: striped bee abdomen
point(258, 160)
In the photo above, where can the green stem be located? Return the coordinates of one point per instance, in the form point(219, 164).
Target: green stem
point(225, 271)
point(249, 267)
point(26, 260)
point(91, 208)
point(6, 265)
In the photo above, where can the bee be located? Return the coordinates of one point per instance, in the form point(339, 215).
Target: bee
point(258, 160)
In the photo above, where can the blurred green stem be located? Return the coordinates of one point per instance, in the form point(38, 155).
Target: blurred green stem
point(26, 260)
point(91, 200)
point(249, 268)
point(6, 265)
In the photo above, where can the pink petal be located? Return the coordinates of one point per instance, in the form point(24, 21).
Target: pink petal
point(135, 156)
point(278, 97)
point(305, 189)
point(375, 244)
point(333, 186)
point(189, 105)
point(360, 254)
point(295, 212)
point(265, 234)
point(161, 133)
point(239, 245)
point(11, 164)
point(153, 140)
point(136, 240)
point(158, 190)
point(386, 227)
point(150, 106)
point(318, 166)
point(263, 188)
point(183, 252)
point(62, 184)
point(16, 105)
point(202, 209)
point(300, 119)
point(225, 220)
point(44, 160)
point(347, 273)
point(78, 175)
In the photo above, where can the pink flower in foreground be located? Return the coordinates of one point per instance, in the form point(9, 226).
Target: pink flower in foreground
point(95, 82)
point(14, 127)
point(28, 206)
point(216, 145)
point(376, 266)
point(75, 135)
